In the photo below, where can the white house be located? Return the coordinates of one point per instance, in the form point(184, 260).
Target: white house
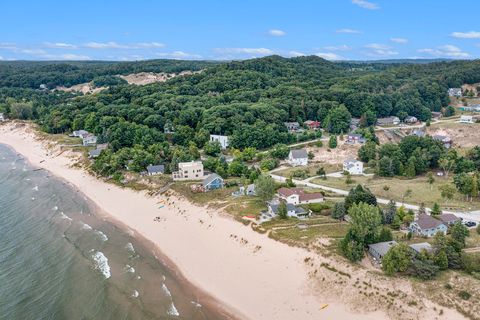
point(466, 119)
point(410, 119)
point(223, 140)
point(189, 171)
point(354, 167)
point(298, 157)
point(2, 117)
point(455, 92)
point(299, 196)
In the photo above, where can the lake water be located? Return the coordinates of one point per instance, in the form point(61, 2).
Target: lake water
point(60, 260)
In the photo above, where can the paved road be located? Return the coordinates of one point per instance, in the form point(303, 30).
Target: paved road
point(472, 216)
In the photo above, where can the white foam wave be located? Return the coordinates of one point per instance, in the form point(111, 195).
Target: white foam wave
point(166, 291)
point(102, 235)
point(172, 311)
point(33, 198)
point(196, 304)
point(55, 208)
point(101, 264)
point(129, 269)
point(64, 216)
point(130, 247)
point(35, 188)
point(135, 294)
point(86, 227)
point(24, 169)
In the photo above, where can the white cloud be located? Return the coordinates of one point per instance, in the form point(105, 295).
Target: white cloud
point(252, 51)
point(69, 56)
point(342, 47)
point(276, 33)
point(399, 40)
point(34, 52)
point(328, 55)
point(103, 45)
point(179, 55)
point(1, 58)
point(60, 45)
point(346, 30)
point(150, 45)
point(366, 5)
point(449, 51)
point(8, 46)
point(380, 50)
point(115, 45)
point(466, 35)
point(294, 53)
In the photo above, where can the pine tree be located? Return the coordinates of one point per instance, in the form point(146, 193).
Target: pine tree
point(436, 210)
point(441, 260)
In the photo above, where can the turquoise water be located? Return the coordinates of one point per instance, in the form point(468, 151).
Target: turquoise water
point(58, 260)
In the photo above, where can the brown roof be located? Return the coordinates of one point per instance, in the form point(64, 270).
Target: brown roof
point(448, 218)
point(302, 195)
point(425, 221)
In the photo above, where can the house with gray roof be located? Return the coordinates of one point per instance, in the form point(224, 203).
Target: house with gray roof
point(212, 182)
point(418, 132)
point(446, 141)
point(155, 170)
point(448, 218)
point(298, 157)
point(292, 126)
point(388, 121)
point(427, 226)
point(380, 249)
point(292, 210)
point(352, 166)
point(419, 247)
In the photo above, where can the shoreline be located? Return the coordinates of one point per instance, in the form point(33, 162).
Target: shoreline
point(214, 254)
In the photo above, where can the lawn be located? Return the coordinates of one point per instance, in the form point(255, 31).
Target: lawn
point(395, 188)
point(311, 170)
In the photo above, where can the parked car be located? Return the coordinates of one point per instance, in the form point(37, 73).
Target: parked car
point(470, 224)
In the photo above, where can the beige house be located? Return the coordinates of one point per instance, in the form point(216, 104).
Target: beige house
point(189, 171)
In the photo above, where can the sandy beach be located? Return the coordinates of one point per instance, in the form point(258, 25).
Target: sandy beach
point(251, 275)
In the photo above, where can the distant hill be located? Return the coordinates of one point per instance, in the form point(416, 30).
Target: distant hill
point(31, 74)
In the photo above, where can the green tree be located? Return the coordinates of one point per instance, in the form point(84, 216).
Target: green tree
point(265, 187)
point(441, 260)
point(390, 212)
point(366, 222)
point(332, 142)
point(459, 233)
point(398, 259)
point(338, 120)
point(212, 148)
point(430, 179)
point(282, 210)
point(436, 210)
point(447, 192)
point(360, 194)
point(339, 211)
point(368, 151)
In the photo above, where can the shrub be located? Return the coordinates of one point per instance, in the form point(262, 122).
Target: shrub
point(318, 207)
point(464, 295)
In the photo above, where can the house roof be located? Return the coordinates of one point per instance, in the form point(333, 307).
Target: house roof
point(290, 207)
point(95, 153)
point(448, 218)
point(210, 179)
point(382, 247)
point(441, 138)
point(425, 221)
point(312, 123)
point(418, 133)
point(291, 124)
point(418, 247)
point(302, 195)
point(155, 169)
point(387, 120)
point(350, 162)
point(299, 154)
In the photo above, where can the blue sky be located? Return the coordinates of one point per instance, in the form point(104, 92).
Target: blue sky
point(227, 29)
